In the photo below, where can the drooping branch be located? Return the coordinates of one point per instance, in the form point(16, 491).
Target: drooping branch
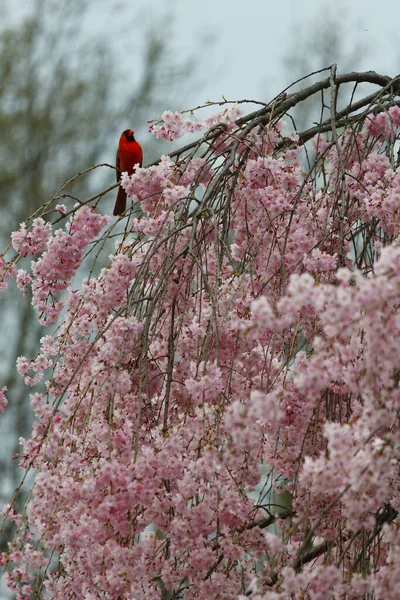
point(278, 107)
point(239, 324)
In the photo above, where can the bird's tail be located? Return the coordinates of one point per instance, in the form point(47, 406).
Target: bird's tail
point(120, 203)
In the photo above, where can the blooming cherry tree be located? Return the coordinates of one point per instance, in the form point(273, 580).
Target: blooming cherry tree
point(240, 347)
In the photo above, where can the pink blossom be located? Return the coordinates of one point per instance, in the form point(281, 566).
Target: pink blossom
point(7, 271)
point(384, 125)
point(32, 241)
point(227, 116)
point(23, 280)
point(3, 399)
point(219, 408)
point(53, 271)
point(172, 126)
point(48, 345)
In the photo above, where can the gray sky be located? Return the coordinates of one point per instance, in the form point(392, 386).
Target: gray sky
point(252, 37)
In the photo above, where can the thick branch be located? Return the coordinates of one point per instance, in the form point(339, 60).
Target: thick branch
point(279, 107)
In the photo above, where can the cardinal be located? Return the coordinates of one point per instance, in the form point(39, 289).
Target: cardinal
point(129, 153)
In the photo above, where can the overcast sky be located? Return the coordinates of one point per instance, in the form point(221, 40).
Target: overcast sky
point(252, 37)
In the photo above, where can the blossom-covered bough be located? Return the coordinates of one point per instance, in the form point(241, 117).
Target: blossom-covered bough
point(243, 341)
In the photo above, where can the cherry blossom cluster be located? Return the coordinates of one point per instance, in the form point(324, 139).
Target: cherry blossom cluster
point(61, 256)
point(240, 346)
point(172, 126)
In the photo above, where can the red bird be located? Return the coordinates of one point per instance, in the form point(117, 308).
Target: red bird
point(129, 153)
